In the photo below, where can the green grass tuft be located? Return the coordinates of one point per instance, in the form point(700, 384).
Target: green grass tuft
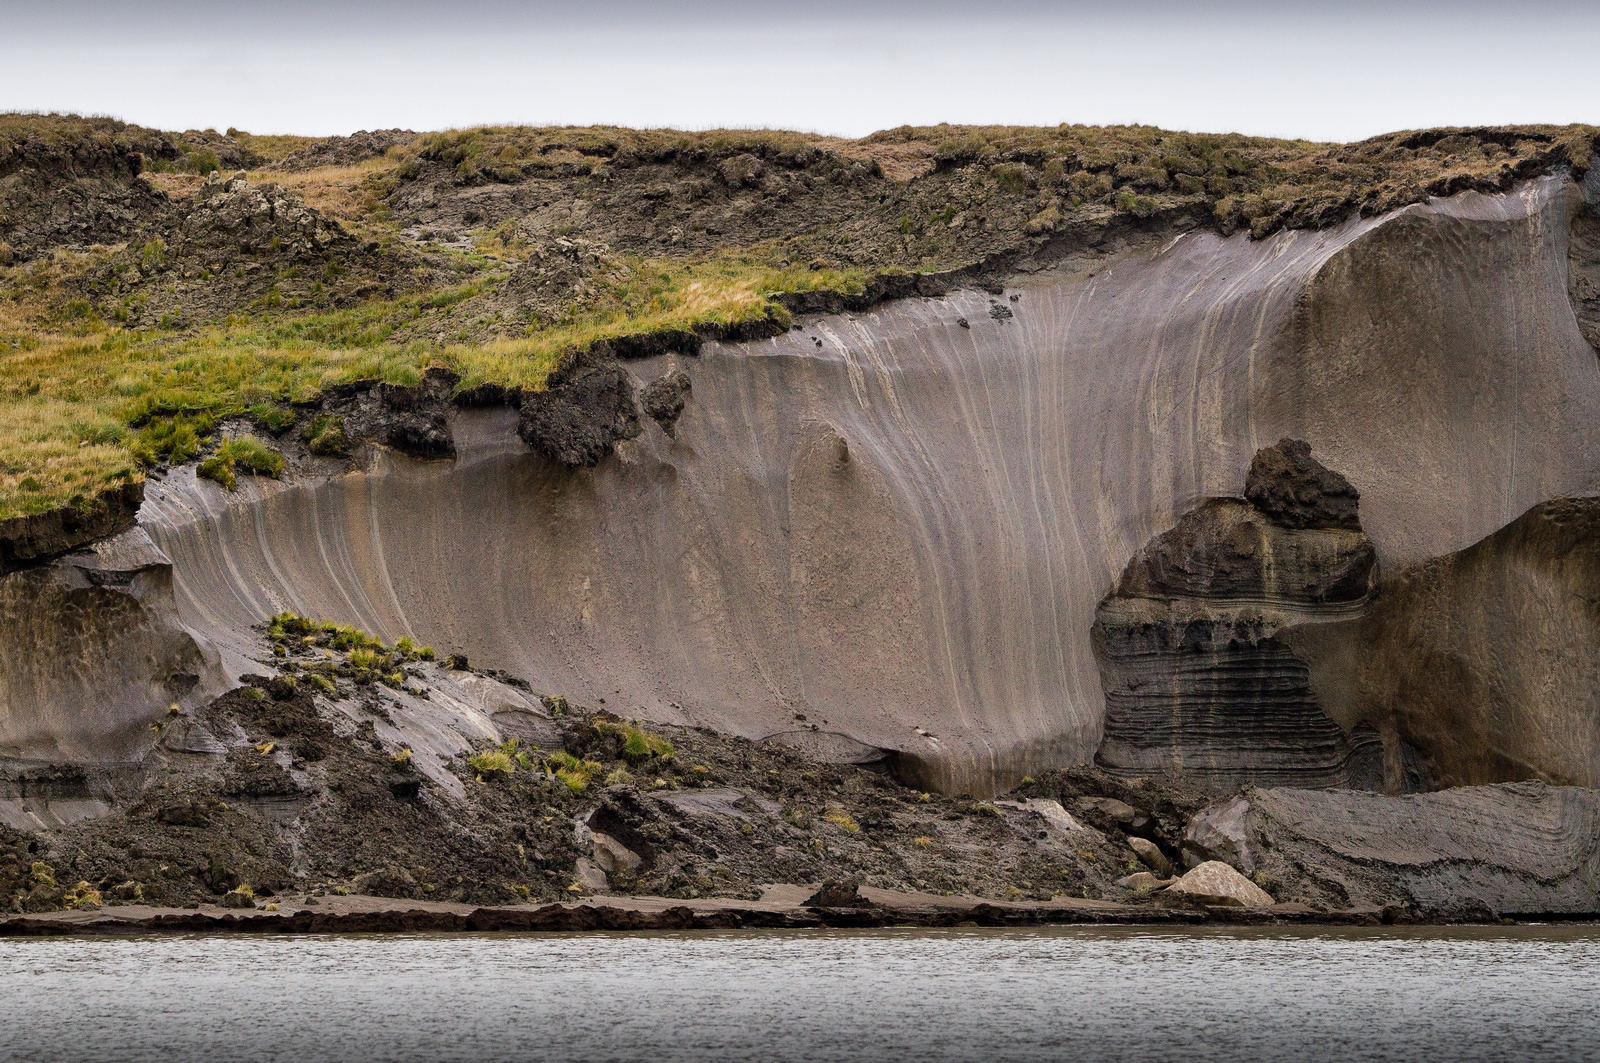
point(325, 436)
point(241, 455)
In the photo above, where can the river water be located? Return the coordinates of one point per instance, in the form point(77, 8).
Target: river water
point(1120, 993)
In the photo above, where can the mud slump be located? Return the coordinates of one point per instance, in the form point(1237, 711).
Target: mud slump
point(891, 530)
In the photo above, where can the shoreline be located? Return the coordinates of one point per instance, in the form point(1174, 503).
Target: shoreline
point(781, 908)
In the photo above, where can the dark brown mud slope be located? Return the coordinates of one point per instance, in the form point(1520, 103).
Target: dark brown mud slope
point(985, 589)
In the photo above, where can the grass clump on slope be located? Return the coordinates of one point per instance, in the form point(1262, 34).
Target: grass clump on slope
point(241, 455)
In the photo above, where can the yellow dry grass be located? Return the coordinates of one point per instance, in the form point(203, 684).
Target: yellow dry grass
point(338, 191)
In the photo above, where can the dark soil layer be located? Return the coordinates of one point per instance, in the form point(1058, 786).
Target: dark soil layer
point(241, 246)
point(603, 241)
point(561, 203)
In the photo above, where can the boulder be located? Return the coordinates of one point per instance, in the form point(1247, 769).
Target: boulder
point(1111, 811)
point(1144, 882)
point(614, 857)
point(242, 897)
point(839, 893)
point(591, 877)
point(585, 410)
point(1151, 856)
point(1217, 832)
point(1298, 491)
point(664, 399)
point(388, 881)
point(1050, 810)
point(1215, 883)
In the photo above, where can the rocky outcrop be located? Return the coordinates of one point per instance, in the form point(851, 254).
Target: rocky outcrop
point(1295, 490)
point(839, 893)
point(554, 276)
point(412, 420)
point(233, 214)
point(1215, 883)
point(71, 182)
point(1150, 855)
point(587, 408)
point(346, 150)
point(663, 399)
point(207, 151)
point(1519, 848)
point(239, 245)
point(1198, 682)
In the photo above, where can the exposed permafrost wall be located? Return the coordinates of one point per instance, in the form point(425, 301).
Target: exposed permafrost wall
point(94, 654)
point(897, 526)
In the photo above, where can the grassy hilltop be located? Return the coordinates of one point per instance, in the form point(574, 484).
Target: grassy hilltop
point(145, 293)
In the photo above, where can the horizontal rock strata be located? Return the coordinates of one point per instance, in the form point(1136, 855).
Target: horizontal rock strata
point(1198, 684)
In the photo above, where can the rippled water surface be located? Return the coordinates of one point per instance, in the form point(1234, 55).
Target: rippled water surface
point(1453, 994)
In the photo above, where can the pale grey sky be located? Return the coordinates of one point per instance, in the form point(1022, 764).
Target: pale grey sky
point(1331, 71)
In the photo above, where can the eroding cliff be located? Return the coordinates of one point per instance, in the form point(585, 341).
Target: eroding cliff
point(95, 653)
point(895, 525)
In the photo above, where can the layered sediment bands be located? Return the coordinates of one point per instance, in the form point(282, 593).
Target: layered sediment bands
point(1485, 659)
point(1520, 848)
point(94, 653)
point(898, 524)
point(1198, 685)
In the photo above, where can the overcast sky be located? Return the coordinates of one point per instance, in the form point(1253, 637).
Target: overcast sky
point(1323, 71)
